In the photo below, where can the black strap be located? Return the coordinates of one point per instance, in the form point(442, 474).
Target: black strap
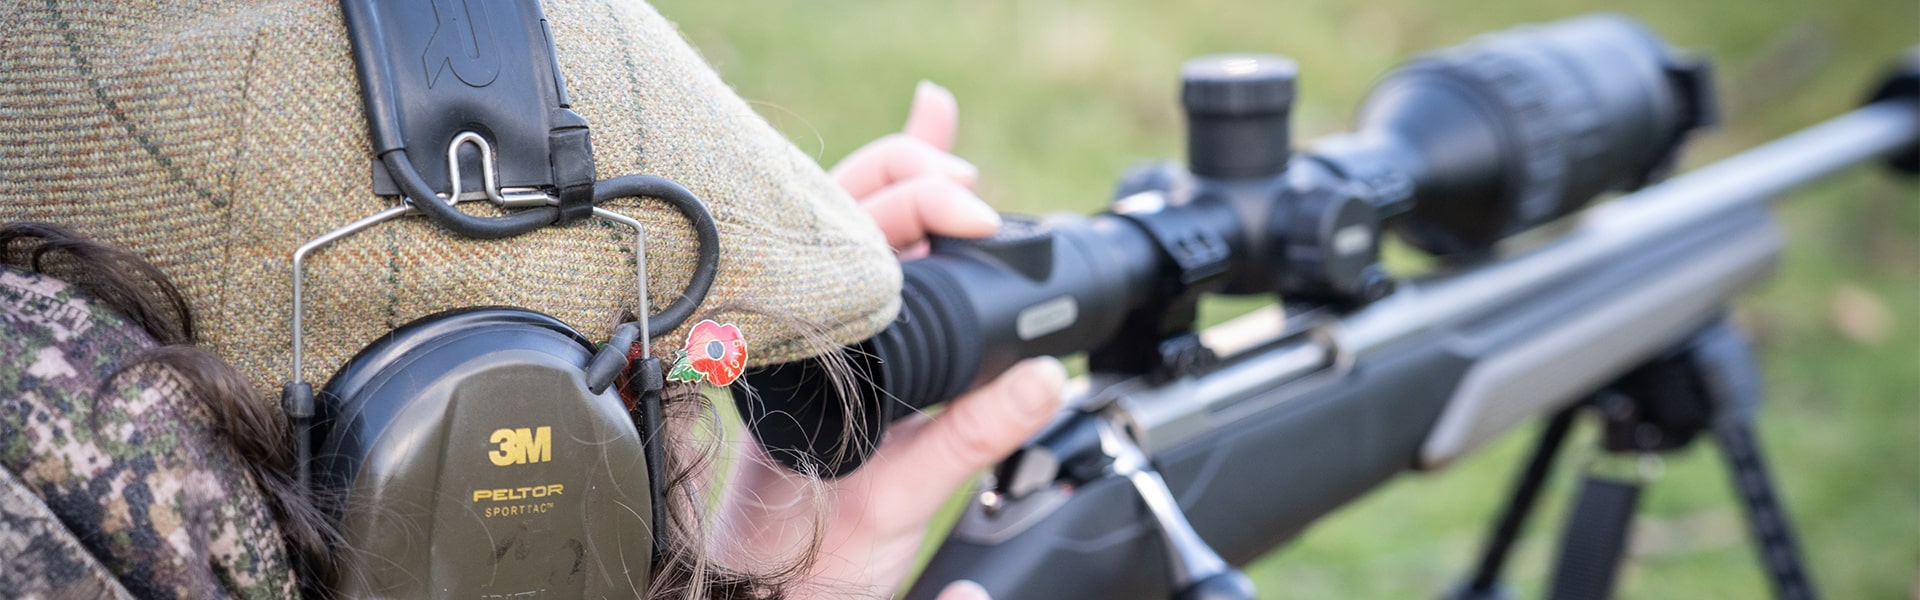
point(433, 70)
point(1594, 539)
point(572, 160)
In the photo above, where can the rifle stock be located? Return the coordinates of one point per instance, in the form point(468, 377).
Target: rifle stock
point(1297, 426)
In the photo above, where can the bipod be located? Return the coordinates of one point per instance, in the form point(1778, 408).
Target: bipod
point(1708, 383)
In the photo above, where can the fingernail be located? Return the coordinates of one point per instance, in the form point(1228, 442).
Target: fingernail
point(927, 88)
point(1037, 389)
point(964, 590)
point(978, 210)
point(926, 94)
point(953, 166)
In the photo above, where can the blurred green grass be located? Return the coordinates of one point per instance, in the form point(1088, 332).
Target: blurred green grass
point(1058, 96)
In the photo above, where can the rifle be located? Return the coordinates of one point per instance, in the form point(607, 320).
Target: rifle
point(1188, 452)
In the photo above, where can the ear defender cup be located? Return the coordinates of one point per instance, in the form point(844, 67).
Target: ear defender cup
point(465, 458)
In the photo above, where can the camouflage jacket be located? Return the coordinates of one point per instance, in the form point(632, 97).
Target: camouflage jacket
point(115, 486)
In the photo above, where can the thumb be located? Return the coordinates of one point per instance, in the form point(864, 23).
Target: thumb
point(935, 116)
point(918, 468)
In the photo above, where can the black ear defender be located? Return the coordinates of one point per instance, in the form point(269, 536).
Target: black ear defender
point(472, 459)
point(484, 452)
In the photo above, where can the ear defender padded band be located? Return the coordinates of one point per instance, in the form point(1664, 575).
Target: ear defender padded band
point(465, 457)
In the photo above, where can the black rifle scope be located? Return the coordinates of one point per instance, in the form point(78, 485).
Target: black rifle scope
point(1457, 149)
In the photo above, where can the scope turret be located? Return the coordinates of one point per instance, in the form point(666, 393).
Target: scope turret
point(1237, 109)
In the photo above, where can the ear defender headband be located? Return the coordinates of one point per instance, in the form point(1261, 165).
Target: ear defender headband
point(484, 452)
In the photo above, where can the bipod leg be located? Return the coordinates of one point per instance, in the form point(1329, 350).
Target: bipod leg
point(1779, 553)
point(1485, 584)
point(1728, 375)
point(1596, 534)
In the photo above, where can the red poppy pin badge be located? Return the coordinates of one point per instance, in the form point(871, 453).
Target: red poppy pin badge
point(714, 353)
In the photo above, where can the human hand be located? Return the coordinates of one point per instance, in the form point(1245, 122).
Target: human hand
point(911, 184)
point(873, 521)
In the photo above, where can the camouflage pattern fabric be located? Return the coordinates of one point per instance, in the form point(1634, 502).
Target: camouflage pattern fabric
point(134, 471)
point(43, 558)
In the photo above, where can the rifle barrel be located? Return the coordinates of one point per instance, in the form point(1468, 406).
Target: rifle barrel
point(1299, 424)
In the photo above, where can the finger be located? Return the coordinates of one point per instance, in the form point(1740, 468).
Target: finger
point(964, 590)
point(909, 211)
point(897, 158)
point(917, 469)
point(935, 116)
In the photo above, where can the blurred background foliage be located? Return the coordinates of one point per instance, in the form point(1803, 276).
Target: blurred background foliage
point(1059, 96)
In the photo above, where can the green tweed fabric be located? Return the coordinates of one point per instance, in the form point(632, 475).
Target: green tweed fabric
point(214, 137)
point(131, 466)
